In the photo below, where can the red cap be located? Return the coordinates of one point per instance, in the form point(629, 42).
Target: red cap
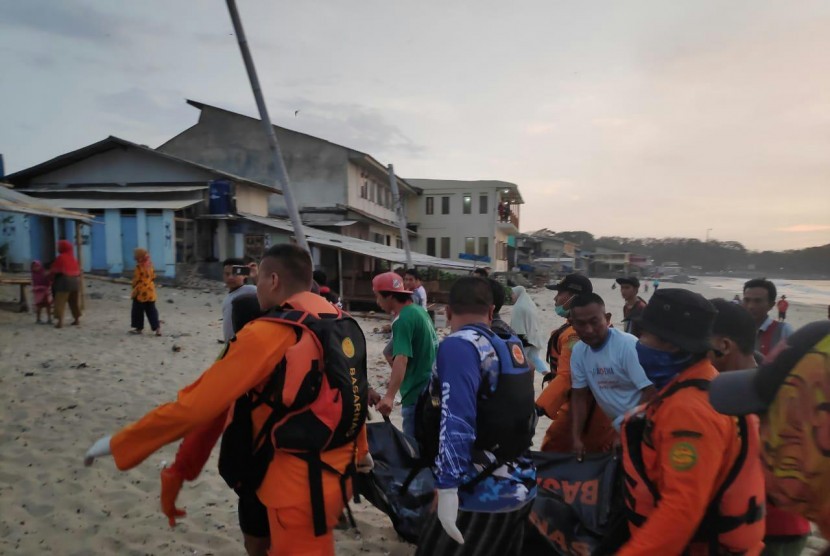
point(388, 282)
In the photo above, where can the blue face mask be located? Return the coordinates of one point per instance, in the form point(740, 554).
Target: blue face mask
point(662, 366)
point(561, 311)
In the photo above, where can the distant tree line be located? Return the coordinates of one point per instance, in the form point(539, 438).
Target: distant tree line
point(716, 256)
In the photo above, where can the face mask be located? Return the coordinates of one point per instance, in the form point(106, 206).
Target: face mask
point(561, 311)
point(661, 366)
point(796, 439)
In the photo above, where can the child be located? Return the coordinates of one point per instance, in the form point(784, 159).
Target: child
point(144, 294)
point(42, 289)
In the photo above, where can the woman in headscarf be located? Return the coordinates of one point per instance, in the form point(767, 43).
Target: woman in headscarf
point(144, 294)
point(525, 321)
point(66, 274)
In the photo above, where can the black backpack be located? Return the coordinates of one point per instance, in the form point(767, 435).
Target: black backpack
point(304, 427)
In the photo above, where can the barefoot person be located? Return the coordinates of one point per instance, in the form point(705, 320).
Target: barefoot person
point(66, 272)
point(42, 290)
point(144, 294)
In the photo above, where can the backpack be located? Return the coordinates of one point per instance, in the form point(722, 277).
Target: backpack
point(317, 404)
point(505, 421)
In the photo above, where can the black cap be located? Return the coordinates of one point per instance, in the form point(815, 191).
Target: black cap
point(630, 280)
point(575, 283)
point(681, 317)
point(752, 390)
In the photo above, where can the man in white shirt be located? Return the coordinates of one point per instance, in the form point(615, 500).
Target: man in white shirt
point(237, 285)
point(412, 282)
point(604, 361)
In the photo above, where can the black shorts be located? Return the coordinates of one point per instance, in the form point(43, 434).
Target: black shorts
point(253, 516)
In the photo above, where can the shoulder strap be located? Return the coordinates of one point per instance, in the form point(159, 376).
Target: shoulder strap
point(699, 383)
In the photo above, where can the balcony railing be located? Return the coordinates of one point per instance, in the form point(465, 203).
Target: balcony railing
point(509, 218)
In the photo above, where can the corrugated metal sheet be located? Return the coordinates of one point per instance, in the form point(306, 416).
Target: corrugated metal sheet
point(14, 201)
point(92, 204)
point(117, 189)
point(360, 246)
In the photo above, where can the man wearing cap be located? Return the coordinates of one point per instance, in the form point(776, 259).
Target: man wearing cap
point(693, 476)
point(599, 435)
point(414, 344)
point(790, 391)
point(634, 304)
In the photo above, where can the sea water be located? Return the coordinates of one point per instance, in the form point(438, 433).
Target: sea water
point(808, 292)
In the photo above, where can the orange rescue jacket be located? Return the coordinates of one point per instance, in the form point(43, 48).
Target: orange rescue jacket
point(693, 477)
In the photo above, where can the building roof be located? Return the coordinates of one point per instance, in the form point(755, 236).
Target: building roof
point(355, 155)
point(117, 189)
point(101, 204)
point(512, 190)
point(360, 246)
point(112, 142)
point(14, 201)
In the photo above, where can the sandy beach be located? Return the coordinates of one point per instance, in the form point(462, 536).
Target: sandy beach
point(60, 390)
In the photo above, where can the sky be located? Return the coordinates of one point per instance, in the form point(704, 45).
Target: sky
point(640, 118)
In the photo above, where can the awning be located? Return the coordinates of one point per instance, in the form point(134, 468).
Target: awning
point(93, 204)
point(360, 246)
point(116, 189)
point(13, 201)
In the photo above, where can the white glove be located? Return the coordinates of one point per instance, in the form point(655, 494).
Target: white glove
point(100, 448)
point(448, 513)
point(366, 464)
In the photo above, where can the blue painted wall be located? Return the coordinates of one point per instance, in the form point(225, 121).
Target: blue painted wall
point(169, 230)
point(129, 240)
point(112, 226)
point(98, 244)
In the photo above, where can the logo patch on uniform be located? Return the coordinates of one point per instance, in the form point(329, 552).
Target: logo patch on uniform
point(682, 456)
point(572, 342)
point(348, 347)
point(518, 354)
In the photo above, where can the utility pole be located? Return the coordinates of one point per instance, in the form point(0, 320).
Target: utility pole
point(281, 178)
point(396, 198)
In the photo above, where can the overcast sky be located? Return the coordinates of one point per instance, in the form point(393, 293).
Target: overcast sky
point(632, 118)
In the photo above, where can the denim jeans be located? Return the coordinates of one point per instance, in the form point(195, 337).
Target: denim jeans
point(408, 414)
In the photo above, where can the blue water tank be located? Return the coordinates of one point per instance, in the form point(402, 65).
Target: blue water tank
point(220, 197)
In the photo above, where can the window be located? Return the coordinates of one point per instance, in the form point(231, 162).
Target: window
point(372, 191)
point(399, 243)
point(364, 190)
point(378, 238)
point(468, 203)
point(445, 245)
point(470, 245)
point(445, 205)
point(431, 206)
point(431, 246)
point(388, 240)
point(482, 205)
point(483, 246)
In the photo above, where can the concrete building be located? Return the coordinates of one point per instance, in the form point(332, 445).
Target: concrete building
point(610, 263)
point(336, 188)
point(459, 219)
point(181, 211)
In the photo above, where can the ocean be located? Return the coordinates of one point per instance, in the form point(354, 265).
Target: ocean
point(808, 292)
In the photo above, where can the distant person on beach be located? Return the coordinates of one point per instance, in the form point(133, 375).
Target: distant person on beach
point(303, 482)
point(235, 274)
point(634, 304)
point(42, 291)
point(412, 282)
point(66, 279)
point(414, 344)
point(525, 322)
point(655, 284)
point(737, 299)
point(759, 299)
point(789, 392)
point(782, 306)
point(195, 450)
point(786, 532)
point(604, 363)
point(499, 297)
point(144, 294)
point(599, 435)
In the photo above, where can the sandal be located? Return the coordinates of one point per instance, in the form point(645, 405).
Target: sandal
point(135, 331)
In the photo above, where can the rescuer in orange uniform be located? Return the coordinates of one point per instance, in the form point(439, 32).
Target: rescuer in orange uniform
point(599, 434)
point(284, 279)
point(693, 476)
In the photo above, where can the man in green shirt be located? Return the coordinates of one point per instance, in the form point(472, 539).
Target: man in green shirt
point(414, 345)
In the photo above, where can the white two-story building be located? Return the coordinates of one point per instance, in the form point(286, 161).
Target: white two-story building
point(467, 220)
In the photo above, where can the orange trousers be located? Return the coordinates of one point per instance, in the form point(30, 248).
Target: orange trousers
point(292, 530)
point(599, 434)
